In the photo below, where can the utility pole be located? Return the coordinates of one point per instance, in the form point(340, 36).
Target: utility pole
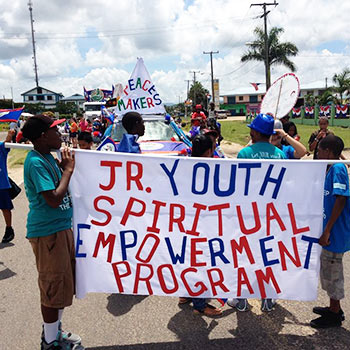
point(188, 89)
point(13, 106)
point(194, 80)
point(267, 64)
point(326, 83)
point(212, 72)
point(30, 4)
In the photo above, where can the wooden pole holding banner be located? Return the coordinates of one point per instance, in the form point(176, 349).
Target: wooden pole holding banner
point(278, 99)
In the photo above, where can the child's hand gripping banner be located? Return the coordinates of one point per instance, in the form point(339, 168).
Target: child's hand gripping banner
point(197, 227)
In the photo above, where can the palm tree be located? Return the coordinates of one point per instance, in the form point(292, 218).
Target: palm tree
point(342, 81)
point(277, 52)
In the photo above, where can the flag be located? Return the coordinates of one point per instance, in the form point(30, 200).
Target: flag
point(106, 114)
point(86, 94)
point(10, 115)
point(107, 145)
point(256, 86)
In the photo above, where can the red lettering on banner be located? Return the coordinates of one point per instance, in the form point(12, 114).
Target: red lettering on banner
point(149, 102)
point(199, 208)
point(284, 251)
point(151, 253)
point(112, 177)
point(266, 277)
point(135, 178)
point(144, 84)
point(295, 229)
point(257, 226)
point(218, 283)
point(272, 214)
point(118, 276)
point(201, 285)
point(164, 287)
point(242, 278)
point(243, 244)
point(178, 221)
point(126, 90)
point(195, 252)
point(128, 210)
point(107, 213)
point(145, 279)
point(110, 241)
point(219, 208)
point(154, 227)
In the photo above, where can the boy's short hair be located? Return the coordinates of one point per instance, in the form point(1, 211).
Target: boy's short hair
point(333, 143)
point(85, 136)
point(129, 121)
point(200, 144)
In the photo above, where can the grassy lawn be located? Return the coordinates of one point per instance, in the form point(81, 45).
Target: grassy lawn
point(16, 158)
point(238, 132)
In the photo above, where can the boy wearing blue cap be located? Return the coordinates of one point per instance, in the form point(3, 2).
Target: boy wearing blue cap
point(261, 129)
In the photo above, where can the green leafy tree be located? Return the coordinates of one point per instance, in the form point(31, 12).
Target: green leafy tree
point(326, 98)
point(310, 100)
point(278, 52)
point(66, 108)
point(34, 108)
point(198, 94)
point(342, 84)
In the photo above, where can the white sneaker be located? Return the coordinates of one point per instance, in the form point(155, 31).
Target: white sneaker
point(240, 304)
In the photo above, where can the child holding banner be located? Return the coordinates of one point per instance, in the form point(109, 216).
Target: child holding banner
point(5, 200)
point(49, 227)
point(261, 129)
point(203, 145)
point(335, 238)
point(85, 140)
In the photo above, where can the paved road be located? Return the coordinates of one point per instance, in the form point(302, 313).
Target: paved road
point(121, 322)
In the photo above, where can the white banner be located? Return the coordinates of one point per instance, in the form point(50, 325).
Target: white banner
point(197, 226)
point(140, 94)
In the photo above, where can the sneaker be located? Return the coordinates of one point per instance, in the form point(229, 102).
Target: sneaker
point(209, 310)
point(60, 345)
point(67, 336)
point(240, 304)
point(267, 304)
point(323, 310)
point(9, 235)
point(327, 320)
point(183, 300)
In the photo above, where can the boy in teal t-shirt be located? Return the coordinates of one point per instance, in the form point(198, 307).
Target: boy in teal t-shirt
point(49, 226)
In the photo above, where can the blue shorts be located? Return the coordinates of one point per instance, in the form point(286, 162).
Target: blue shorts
point(5, 200)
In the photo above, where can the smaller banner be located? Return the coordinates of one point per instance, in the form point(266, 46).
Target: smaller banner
point(140, 94)
point(296, 112)
point(98, 95)
point(10, 115)
point(309, 112)
point(340, 111)
point(325, 111)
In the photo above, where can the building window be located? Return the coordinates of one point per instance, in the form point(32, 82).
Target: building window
point(40, 98)
point(253, 99)
point(30, 98)
point(49, 98)
point(240, 98)
point(40, 90)
point(231, 100)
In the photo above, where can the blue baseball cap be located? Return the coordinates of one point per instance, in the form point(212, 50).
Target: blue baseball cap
point(263, 123)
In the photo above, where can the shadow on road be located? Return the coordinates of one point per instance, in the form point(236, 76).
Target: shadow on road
point(5, 272)
point(267, 331)
point(120, 304)
point(6, 245)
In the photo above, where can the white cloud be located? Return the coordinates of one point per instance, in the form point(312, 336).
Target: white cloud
point(168, 35)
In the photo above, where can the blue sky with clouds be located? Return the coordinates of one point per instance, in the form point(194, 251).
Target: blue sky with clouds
point(96, 43)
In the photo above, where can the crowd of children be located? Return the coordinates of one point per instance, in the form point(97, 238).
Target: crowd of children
point(50, 210)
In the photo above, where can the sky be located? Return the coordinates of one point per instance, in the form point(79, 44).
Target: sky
point(95, 43)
